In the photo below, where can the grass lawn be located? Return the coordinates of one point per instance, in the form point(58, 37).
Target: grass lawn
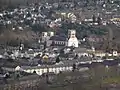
point(112, 80)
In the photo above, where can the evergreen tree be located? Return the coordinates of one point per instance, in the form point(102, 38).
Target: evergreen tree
point(99, 20)
point(57, 59)
point(94, 18)
point(45, 45)
point(74, 67)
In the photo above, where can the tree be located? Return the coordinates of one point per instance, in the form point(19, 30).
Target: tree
point(74, 67)
point(94, 18)
point(99, 20)
point(53, 43)
point(45, 45)
point(76, 56)
point(57, 59)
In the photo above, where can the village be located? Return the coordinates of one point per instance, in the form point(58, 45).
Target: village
point(40, 42)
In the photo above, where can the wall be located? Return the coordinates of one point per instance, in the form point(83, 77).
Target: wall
point(56, 70)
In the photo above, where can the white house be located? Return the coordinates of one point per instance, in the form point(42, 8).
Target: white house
point(115, 53)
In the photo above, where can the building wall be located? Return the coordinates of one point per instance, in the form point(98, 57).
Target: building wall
point(56, 70)
point(57, 43)
point(73, 42)
point(100, 54)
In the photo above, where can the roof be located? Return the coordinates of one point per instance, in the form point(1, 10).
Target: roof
point(58, 38)
point(79, 50)
point(44, 66)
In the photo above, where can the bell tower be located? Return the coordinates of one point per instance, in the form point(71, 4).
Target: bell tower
point(72, 39)
point(71, 34)
point(44, 36)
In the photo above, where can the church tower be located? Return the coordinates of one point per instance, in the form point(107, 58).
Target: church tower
point(44, 36)
point(72, 39)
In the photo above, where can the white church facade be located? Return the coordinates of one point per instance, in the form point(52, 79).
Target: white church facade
point(72, 39)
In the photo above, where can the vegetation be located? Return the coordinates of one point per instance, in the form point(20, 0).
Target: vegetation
point(96, 78)
point(57, 59)
point(113, 80)
point(83, 30)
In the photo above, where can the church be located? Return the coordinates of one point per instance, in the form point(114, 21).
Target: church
point(62, 40)
point(72, 39)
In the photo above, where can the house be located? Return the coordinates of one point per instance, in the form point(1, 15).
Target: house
point(100, 54)
point(44, 69)
point(47, 35)
point(81, 52)
point(94, 38)
point(96, 53)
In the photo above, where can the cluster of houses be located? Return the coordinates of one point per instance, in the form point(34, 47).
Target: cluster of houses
point(34, 14)
point(53, 15)
point(70, 41)
point(54, 45)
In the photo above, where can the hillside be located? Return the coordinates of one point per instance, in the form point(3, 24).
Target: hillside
point(14, 38)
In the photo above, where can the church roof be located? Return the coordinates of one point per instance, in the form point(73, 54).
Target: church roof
point(58, 38)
